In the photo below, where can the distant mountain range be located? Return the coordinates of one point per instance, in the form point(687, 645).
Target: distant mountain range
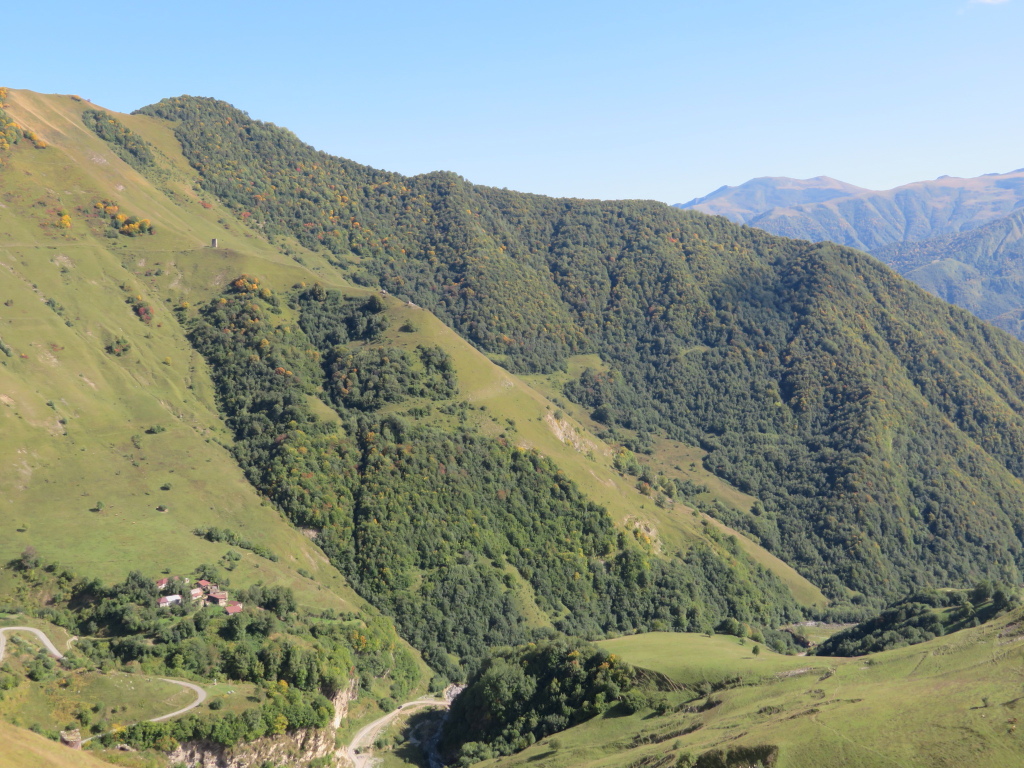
point(958, 238)
point(748, 201)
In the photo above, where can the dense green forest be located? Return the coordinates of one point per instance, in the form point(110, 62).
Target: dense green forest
point(921, 617)
point(882, 430)
point(127, 144)
point(523, 694)
point(437, 525)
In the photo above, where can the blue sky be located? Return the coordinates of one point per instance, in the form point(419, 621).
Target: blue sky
point(661, 100)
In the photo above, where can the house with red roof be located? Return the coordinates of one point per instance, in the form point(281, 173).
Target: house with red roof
point(165, 582)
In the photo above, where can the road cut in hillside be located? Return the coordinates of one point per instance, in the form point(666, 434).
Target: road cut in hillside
point(357, 753)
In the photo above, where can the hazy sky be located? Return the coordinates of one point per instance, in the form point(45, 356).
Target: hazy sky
point(662, 100)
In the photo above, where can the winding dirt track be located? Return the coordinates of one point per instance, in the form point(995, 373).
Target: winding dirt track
point(38, 633)
point(52, 649)
point(199, 700)
point(356, 752)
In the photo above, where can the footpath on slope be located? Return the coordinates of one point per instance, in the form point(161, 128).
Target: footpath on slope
point(52, 650)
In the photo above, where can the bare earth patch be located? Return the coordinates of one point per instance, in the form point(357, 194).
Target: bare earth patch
point(568, 434)
point(795, 672)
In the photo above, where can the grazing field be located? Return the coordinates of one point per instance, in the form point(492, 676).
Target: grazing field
point(954, 701)
point(24, 749)
point(818, 632)
point(693, 659)
point(111, 699)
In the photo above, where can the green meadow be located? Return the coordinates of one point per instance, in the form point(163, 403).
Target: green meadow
point(952, 701)
point(24, 749)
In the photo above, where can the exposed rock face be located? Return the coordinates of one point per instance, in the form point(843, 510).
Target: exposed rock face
point(290, 749)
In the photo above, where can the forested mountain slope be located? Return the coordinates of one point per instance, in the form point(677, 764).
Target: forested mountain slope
point(881, 428)
point(372, 461)
point(957, 238)
point(155, 387)
point(981, 270)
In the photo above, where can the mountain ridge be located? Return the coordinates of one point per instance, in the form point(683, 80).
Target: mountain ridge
point(803, 395)
point(753, 198)
point(957, 238)
point(868, 219)
point(641, 284)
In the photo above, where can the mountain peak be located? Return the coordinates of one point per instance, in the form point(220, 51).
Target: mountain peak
point(752, 198)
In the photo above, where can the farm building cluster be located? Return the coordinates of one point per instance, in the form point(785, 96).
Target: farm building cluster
point(204, 590)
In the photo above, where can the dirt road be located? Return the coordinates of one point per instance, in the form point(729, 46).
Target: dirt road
point(199, 700)
point(358, 753)
point(42, 638)
point(52, 649)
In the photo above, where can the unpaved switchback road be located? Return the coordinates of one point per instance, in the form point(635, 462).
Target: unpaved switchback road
point(357, 751)
point(201, 698)
point(52, 649)
point(42, 638)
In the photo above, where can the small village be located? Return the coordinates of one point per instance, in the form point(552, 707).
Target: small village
point(205, 591)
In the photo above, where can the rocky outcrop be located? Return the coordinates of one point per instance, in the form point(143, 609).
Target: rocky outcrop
point(290, 749)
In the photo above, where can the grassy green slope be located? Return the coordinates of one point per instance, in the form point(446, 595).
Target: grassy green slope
point(693, 660)
point(112, 461)
point(24, 749)
point(952, 701)
point(106, 402)
point(75, 417)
